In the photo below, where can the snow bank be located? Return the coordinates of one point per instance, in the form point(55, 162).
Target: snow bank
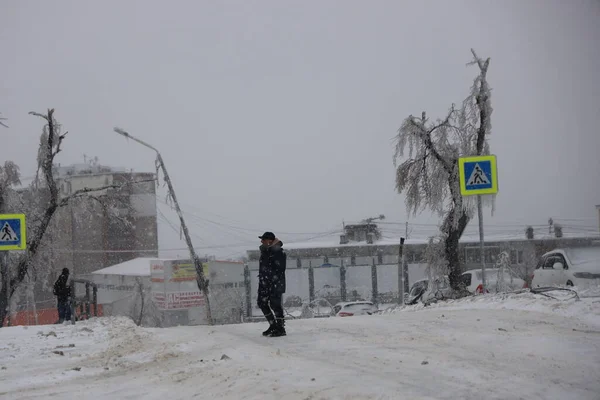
point(586, 308)
point(68, 351)
point(440, 354)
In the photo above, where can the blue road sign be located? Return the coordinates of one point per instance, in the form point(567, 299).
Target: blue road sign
point(12, 232)
point(478, 175)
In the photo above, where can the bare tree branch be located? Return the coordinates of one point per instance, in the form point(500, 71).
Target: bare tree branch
point(86, 191)
point(40, 115)
point(2, 123)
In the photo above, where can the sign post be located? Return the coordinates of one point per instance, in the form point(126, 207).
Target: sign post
point(479, 176)
point(12, 237)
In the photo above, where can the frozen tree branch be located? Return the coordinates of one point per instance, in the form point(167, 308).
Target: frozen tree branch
point(428, 177)
point(47, 200)
point(85, 192)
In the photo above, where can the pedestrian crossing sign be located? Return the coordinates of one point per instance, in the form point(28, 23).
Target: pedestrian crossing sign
point(12, 232)
point(478, 175)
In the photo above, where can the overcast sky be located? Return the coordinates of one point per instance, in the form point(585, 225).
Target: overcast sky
point(280, 115)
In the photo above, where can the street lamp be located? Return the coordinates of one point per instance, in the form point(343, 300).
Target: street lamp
point(200, 278)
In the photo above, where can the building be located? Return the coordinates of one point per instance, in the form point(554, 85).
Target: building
point(359, 256)
point(385, 251)
point(109, 226)
point(165, 293)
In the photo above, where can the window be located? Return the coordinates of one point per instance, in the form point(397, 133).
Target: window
point(466, 279)
point(559, 258)
point(516, 257)
point(491, 254)
point(549, 262)
point(540, 263)
point(552, 259)
point(414, 257)
point(472, 255)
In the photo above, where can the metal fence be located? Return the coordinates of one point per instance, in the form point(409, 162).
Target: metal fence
point(376, 283)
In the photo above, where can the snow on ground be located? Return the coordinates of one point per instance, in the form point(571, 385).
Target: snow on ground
point(520, 348)
point(565, 303)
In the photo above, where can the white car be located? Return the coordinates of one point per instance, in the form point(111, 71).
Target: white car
point(474, 284)
point(571, 267)
point(351, 308)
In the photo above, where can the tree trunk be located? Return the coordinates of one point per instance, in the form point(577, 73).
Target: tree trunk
point(3, 303)
point(451, 247)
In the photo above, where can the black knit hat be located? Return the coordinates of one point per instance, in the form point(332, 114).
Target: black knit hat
point(267, 236)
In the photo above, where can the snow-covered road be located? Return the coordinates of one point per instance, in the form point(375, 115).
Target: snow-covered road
point(440, 353)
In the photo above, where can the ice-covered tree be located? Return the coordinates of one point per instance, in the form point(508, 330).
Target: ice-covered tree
point(504, 270)
point(426, 161)
point(40, 202)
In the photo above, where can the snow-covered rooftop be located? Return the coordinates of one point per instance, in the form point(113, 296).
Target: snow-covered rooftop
point(86, 169)
point(141, 267)
point(137, 267)
point(465, 239)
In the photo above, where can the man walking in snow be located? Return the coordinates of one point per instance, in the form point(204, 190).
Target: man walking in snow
point(271, 283)
point(62, 291)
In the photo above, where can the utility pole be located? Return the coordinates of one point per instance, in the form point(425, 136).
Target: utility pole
point(481, 241)
point(200, 278)
point(7, 284)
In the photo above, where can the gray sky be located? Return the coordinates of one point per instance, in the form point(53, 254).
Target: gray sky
point(280, 116)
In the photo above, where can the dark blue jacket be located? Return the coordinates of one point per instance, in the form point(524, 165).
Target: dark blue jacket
point(271, 269)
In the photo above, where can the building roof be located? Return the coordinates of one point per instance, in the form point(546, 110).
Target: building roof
point(86, 169)
point(464, 239)
point(137, 267)
point(141, 267)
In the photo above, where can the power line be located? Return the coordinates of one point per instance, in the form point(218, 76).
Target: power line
point(239, 228)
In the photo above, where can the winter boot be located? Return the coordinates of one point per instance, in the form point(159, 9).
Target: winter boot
point(271, 329)
point(279, 328)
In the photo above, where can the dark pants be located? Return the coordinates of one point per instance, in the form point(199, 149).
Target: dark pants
point(269, 303)
point(64, 310)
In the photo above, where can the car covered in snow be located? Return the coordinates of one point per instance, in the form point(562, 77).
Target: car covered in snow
point(420, 290)
point(568, 267)
point(351, 308)
point(495, 282)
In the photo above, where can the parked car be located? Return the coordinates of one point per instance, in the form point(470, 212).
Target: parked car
point(351, 308)
point(474, 283)
point(571, 267)
point(416, 291)
point(420, 290)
